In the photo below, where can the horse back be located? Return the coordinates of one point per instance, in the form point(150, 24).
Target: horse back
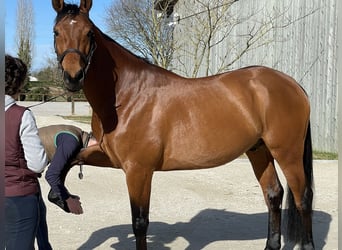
point(205, 122)
point(47, 136)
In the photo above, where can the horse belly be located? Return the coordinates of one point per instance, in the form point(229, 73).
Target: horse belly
point(208, 147)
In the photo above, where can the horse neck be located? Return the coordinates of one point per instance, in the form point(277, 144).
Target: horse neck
point(122, 74)
point(109, 78)
point(127, 67)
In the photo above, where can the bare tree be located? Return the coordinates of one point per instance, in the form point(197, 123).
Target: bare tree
point(215, 35)
point(205, 26)
point(51, 73)
point(25, 31)
point(196, 37)
point(145, 30)
point(149, 28)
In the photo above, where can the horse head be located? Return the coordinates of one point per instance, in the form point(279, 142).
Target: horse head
point(74, 41)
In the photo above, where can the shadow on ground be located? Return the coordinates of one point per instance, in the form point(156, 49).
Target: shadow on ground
point(208, 226)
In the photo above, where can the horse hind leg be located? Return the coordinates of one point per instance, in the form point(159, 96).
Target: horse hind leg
point(263, 166)
point(297, 168)
point(295, 160)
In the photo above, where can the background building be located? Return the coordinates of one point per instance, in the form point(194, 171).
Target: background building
point(298, 37)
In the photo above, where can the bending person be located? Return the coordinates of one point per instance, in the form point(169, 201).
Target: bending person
point(62, 143)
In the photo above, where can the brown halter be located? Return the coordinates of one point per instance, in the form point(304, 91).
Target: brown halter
point(85, 58)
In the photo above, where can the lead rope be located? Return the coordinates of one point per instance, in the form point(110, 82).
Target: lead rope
point(48, 100)
point(80, 174)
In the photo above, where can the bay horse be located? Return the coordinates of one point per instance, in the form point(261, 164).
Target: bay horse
point(148, 119)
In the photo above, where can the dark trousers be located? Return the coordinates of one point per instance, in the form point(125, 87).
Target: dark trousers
point(67, 147)
point(21, 222)
point(42, 232)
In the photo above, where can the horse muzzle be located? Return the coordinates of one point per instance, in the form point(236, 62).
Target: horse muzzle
point(74, 84)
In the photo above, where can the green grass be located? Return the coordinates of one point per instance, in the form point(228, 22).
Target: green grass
point(316, 154)
point(324, 155)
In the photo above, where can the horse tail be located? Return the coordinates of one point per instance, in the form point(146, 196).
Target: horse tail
point(295, 227)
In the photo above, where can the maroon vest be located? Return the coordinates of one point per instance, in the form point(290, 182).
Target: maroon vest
point(19, 180)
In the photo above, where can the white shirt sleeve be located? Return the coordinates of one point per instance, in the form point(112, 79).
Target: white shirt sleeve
point(33, 148)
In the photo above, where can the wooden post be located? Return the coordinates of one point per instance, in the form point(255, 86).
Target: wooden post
point(72, 105)
point(339, 115)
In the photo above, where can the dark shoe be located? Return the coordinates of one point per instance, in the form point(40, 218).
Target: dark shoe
point(56, 199)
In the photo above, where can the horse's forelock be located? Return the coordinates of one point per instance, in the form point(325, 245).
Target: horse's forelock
point(68, 9)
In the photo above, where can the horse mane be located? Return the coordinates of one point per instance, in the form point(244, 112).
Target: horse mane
point(108, 38)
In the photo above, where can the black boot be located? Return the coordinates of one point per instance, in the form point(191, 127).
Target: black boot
point(57, 199)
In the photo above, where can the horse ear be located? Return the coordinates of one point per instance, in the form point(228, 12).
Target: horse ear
point(85, 6)
point(58, 5)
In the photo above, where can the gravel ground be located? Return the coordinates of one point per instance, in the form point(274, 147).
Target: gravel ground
point(220, 208)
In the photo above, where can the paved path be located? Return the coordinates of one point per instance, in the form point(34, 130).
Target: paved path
point(220, 208)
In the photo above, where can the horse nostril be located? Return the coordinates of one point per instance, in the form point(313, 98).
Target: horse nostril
point(66, 75)
point(79, 75)
point(75, 83)
point(77, 78)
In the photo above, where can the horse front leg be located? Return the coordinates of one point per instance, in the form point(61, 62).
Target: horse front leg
point(94, 156)
point(138, 182)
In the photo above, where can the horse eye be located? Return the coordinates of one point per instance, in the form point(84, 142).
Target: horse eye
point(55, 32)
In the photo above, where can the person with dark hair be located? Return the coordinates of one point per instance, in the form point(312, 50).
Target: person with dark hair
point(25, 160)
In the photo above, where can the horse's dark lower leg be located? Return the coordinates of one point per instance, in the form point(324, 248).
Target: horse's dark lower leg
point(274, 199)
point(140, 223)
point(139, 188)
point(263, 166)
